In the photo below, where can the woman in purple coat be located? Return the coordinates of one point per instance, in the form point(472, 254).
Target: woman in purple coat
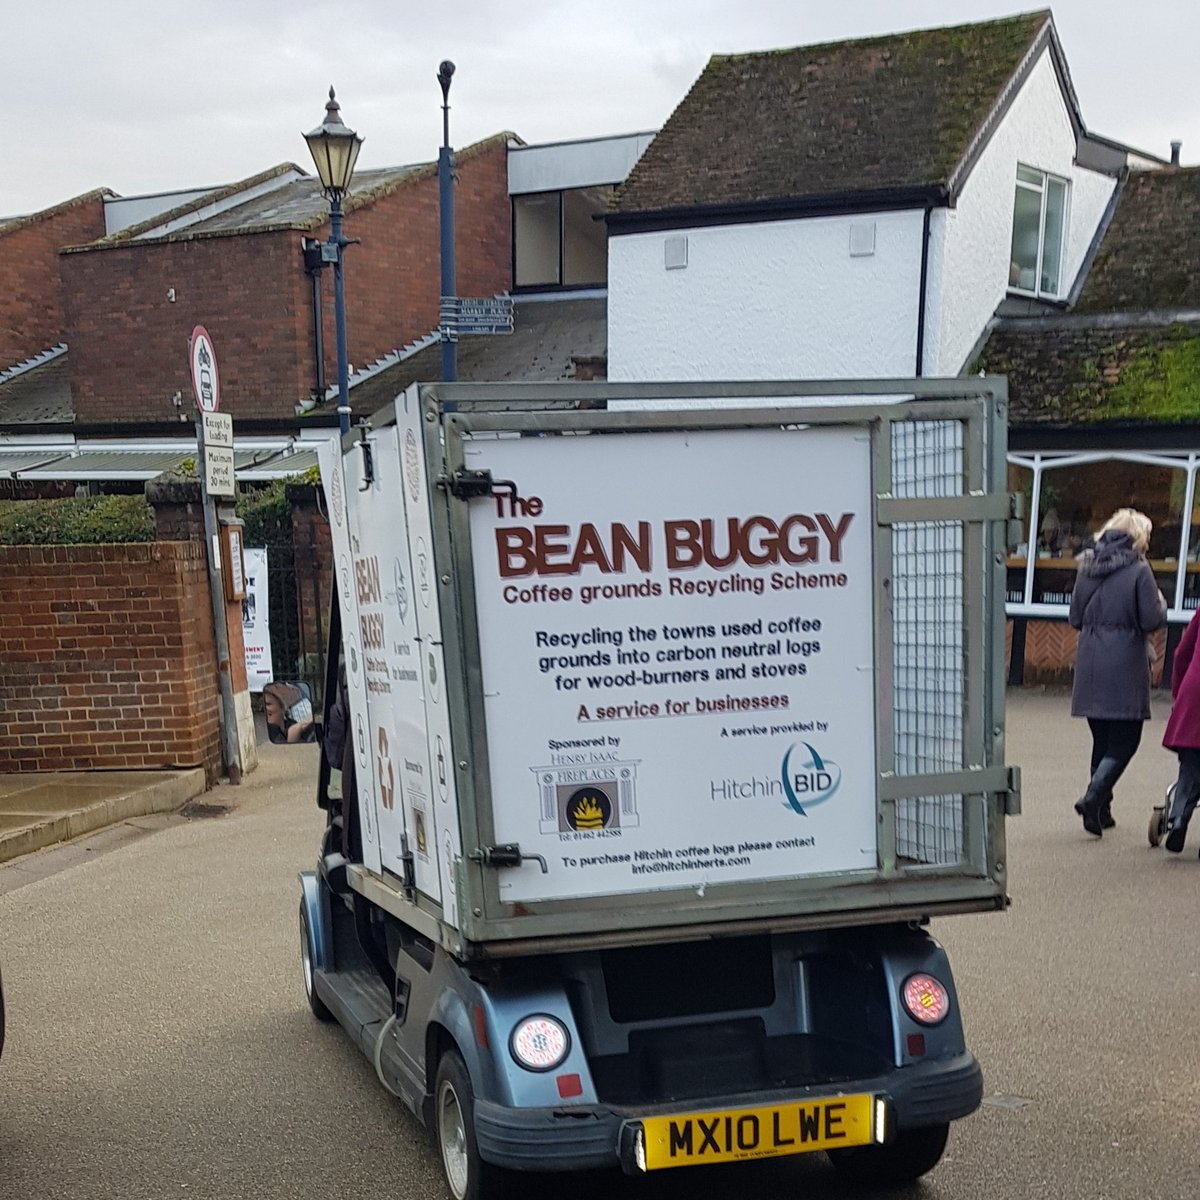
point(1115, 604)
point(1183, 735)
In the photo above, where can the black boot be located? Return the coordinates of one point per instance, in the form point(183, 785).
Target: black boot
point(1106, 817)
point(1088, 807)
point(1177, 822)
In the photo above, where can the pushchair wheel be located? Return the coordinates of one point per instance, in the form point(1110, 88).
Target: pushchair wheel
point(1158, 825)
point(1159, 816)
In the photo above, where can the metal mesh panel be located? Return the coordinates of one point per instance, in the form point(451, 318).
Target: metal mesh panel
point(927, 639)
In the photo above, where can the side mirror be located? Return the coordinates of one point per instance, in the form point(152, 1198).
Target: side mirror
point(289, 713)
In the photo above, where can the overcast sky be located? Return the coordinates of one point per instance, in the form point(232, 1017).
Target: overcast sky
point(146, 95)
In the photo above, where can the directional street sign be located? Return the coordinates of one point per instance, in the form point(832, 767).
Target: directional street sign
point(461, 315)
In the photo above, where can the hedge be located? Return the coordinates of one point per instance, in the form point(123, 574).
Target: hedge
point(76, 521)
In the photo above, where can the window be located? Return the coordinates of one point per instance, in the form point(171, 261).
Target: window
point(556, 240)
point(1039, 229)
point(1074, 498)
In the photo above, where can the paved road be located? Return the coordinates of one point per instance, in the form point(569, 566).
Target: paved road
point(160, 1045)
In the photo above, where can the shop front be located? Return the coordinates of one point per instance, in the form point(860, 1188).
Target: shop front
point(1067, 498)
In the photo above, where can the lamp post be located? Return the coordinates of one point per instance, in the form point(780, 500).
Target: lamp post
point(446, 211)
point(334, 149)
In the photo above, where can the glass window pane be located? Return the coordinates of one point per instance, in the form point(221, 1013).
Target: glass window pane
point(1027, 224)
point(1076, 502)
point(1025, 175)
point(1056, 212)
point(585, 249)
point(1020, 480)
point(536, 225)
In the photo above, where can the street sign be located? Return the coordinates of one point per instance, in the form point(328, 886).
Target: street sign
point(218, 430)
point(218, 471)
point(461, 315)
point(206, 383)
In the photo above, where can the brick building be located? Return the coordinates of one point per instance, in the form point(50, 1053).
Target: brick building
point(234, 262)
point(32, 302)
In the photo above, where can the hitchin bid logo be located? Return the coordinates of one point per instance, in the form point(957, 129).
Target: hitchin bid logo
point(808, 779)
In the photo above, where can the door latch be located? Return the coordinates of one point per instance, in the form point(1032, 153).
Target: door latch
point(508, 854)
point(469, 485)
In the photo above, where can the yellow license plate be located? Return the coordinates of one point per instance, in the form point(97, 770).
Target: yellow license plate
point(744, 1133)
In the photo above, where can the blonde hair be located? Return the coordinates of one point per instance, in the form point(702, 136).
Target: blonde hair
point(1132, 522)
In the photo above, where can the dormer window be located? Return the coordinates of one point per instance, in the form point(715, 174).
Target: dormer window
point(1039, 232)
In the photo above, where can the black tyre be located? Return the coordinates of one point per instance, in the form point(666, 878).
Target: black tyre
point(914, 1152)
point(306, 961)
point(1158, 820)
point(467, 1176)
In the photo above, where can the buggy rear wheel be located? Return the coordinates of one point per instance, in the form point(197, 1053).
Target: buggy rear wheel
point(913, 1152)
point(468, 1176)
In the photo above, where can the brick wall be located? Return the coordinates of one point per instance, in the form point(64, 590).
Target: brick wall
point(32, 316)
point(106, 658)
point(1050, 652)
point(251, 293)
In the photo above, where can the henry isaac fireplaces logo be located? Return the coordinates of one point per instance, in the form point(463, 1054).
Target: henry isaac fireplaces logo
point(808, 778)
point(587, 798)
point(588, 808)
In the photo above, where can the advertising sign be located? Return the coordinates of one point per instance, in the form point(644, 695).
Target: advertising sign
point(336, 485)
point(385, 649)
point(256, 630)
point(676, 636)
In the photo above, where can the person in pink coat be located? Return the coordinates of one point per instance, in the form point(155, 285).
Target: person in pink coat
point(1183, 735)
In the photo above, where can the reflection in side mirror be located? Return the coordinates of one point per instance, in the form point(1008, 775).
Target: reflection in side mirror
point(289, 713)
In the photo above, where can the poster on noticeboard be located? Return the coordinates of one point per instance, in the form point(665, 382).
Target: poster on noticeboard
point(256, 629)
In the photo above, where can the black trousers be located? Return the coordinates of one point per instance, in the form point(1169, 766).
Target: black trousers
point(1187, 789)
point(1114, 743)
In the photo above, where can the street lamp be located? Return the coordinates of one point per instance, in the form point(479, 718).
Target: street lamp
point(334, 149)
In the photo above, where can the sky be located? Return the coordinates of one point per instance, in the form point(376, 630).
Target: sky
point(154, 95)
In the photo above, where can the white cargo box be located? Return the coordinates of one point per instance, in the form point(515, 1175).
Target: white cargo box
point(634, 662)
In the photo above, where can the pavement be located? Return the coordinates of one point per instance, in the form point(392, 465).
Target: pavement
point(48, 808)
point(44, 809)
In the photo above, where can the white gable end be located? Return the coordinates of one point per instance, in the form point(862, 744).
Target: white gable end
point(970, 248)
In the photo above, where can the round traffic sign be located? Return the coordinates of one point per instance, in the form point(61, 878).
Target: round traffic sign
point(206, 383)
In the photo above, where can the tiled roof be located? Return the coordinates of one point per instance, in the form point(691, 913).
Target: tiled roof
point(1073, 371)
point(12, 224)
point(298, 204)
point(294, 204)
point(38, 396)
point(1149, 259)
point(548, 338)
point(889, 112)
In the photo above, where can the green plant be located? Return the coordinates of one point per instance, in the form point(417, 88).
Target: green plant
point(84, 520)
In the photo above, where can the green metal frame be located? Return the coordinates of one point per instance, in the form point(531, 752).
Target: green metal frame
point(453, 414)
